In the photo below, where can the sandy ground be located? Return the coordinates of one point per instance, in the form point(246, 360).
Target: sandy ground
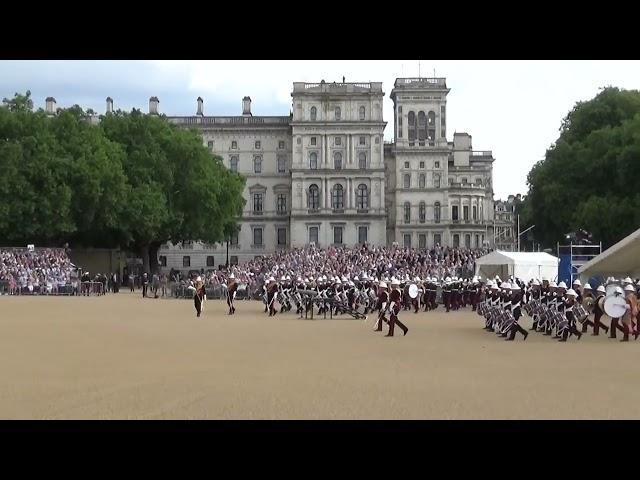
point(122, 357)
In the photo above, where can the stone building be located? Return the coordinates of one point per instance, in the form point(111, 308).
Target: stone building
point(324, 175)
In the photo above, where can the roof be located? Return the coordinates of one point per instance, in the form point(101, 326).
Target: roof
point(623, 257)
point(498, 257)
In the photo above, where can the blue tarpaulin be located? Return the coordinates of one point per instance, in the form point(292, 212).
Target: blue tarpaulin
point(564, 269)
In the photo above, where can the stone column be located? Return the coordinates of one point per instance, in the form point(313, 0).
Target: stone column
point(326, 193)
point(325, 150)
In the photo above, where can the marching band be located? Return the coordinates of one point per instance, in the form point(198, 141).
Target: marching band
point(555, 309)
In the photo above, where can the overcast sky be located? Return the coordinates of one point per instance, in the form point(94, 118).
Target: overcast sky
point(513, 108)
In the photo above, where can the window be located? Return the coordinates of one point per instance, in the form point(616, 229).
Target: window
point(163, 261)
point(436, 212)
point(281, 203)
point(432, 119)
point(436, 165)
point(362, 235)
point(314, 197)
point(362, 160)
point(465, 212)
point(338, 113)
point(412, 126)
point(407, 240)
point(282, 236)
point(363, 140)
point(281, 144)
point(399, 126)
point(475, 212)
point(456, 241)
point(406, 164)
point(282, 164)
point(314, 114)
point(337, 161)
point(234, 145)
point(338, 141)
point(479, 181)
point(362, 197)
point(464, 180)
point(362, 112)
point(257, 203)
point(233, 260)
point(436, 181)
point(421, 164)
point(407, 181)
point(407, 212)
point(443, 123)
point(313, 235)
point(313, 141)
point(313, 160)
point(210, 262)
point(257, 236)
point(422, 212)
point(437, 239)
point(338, 197)
point(422, 241)
point(210, 145)
point(477, 241)
point(337, 235)
point(467, 241)
point(422, 180)
point(257, 164)
point(422, 127)
point(234, 238)
point(454, 213)
point(186, 261)
point(233, 163)
point(257, 145)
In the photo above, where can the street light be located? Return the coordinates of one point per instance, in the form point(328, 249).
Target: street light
point(522, 233)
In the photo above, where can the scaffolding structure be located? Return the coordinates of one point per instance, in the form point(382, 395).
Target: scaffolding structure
point(579, 255)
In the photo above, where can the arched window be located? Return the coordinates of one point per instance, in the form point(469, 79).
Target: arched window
point(233, 163)
point(422, 126)
point(431, 128)
point(407, 212)
point(436, 212)
point(282, 164)
point(412, 126)
point(422, 180)
point(362, 197)
point(314, 114)
point(338, 197)
point(422, 212)
point(313, 161)
point(436, 180)
point(338, 113)
point(362, 112)
point(479, 181)
point(314, 197)
point(257, 164)
point(362, 160)
point(407, 181)
point(337, 161)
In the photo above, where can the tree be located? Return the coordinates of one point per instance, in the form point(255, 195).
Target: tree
point(588, 179)
point(178, 191)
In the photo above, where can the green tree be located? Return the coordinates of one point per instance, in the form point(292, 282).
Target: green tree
point(178, 191)
point(588, 178)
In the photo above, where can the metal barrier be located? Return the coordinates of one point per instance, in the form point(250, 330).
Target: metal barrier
point(68, 289)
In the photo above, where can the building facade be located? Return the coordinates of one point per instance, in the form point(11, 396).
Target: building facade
point(505, 223)
point(324, 175)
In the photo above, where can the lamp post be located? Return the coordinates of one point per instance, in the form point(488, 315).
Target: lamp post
point(522, 233)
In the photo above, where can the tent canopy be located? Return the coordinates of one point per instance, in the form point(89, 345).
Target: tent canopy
point(620, 260)
point(523, 265)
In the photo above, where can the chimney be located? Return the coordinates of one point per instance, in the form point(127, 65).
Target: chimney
point(109, 105)
point(200, 102)
point(50, 105)
point(246, 106)
point(153, 105)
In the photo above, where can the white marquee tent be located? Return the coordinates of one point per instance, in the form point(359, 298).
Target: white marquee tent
point(522, 265)
point(619, 261)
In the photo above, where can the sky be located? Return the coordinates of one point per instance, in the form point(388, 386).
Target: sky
point(513, 108)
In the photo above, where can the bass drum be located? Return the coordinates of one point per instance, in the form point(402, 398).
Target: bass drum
point(413, 290)
point(615, 307)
